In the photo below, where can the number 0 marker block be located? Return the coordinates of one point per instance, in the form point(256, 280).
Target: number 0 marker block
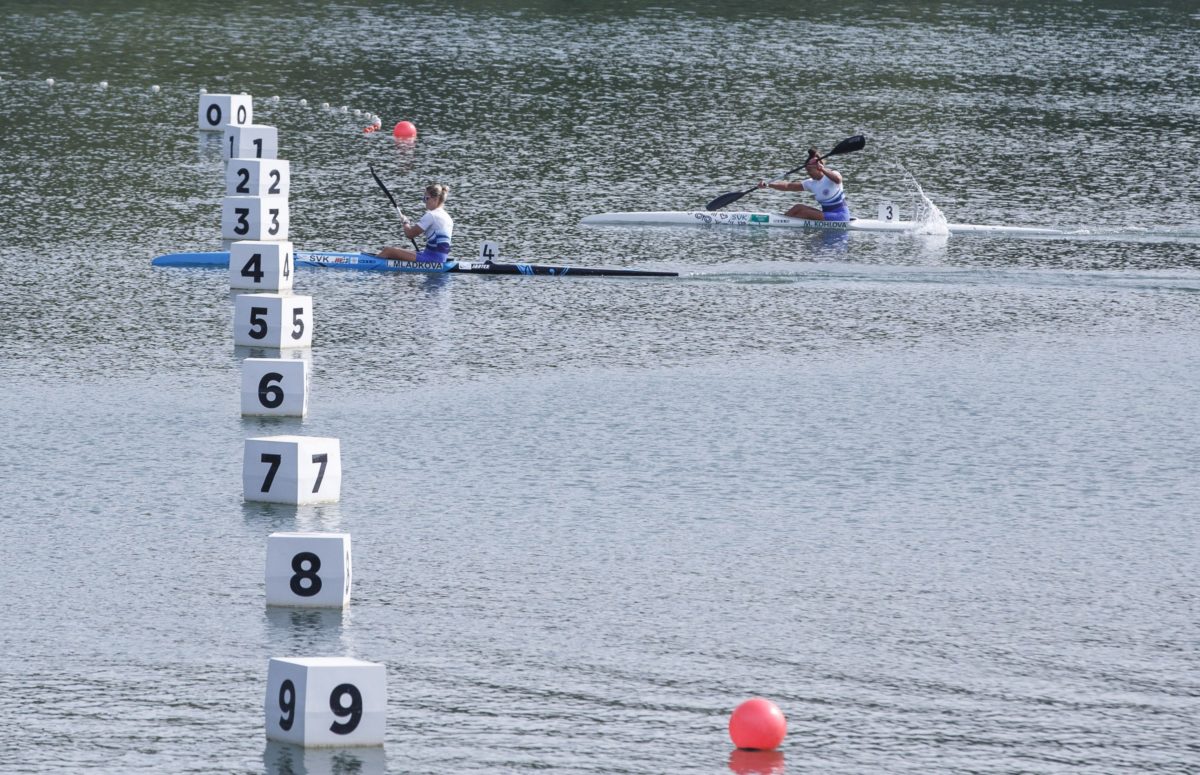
point(326, 701)
point(310, 570)
point(292, 469)
point(254, 218)
point(261, 266)
point(251, 141)
point(275, 386)
point(218, 111)
point(272, 320)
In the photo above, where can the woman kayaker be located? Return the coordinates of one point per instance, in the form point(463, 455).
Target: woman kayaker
point(437, 226)
point(823, 183)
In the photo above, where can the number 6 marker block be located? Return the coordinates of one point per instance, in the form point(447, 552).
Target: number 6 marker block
point(326, 701)
point(311, 570)
point(275, 386)
point(292, 469)
point(272, 320)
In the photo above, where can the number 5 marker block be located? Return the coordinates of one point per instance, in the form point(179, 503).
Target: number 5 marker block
point(326, 701)
point(292, 469)
point(261, 266)
point(308, 569)
point(275, 386)
point(272, 320)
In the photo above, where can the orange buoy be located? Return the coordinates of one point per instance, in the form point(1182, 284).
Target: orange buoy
point(404, 130)
point(757, 723)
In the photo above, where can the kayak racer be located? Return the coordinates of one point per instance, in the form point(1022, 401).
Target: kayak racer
point(823, 183)
point(437, 226)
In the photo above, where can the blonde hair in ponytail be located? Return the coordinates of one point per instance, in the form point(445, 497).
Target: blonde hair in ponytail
point(439, 190)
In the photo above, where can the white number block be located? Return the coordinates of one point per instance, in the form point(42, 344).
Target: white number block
point(275, 386)
point(258, 177)
point(888, 212)
point(219, 111)
point(489, 251)
point(261, 265)
point(272, 320)
point(254, 218)
point(252, 141)
point(292, 469)
point(326, 701)
point(310, 570)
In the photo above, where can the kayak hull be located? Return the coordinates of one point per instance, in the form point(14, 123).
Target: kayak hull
point(372, 263)
point(733, 218)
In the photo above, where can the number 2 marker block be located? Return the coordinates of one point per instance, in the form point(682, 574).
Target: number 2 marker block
point(326, 701)
point(257, 177)
point(310, 570)
point(275, 386)
point(261, 266)
point(272, 320)
point(292, 469)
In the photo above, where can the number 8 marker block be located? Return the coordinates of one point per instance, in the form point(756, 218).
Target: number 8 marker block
point(272, 320)
point(326, 701)
point(292, 469)
point(311, 570)
point(275, 386)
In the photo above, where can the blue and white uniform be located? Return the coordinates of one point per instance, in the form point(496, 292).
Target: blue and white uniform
point(438, 229)
point(830, 196)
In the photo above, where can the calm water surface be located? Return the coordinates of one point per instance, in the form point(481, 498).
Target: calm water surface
point(936, 497)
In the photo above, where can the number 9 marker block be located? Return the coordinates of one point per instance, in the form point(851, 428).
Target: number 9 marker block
point(326, 701)
point(292, 469)
point(310, 570)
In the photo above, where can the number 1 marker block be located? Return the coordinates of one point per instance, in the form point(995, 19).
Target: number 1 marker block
point(272, 320)
point(292, 469)
point(310, 570)
point(326, 701)
point(275, 386)
point(261, 266)
point(251, 141)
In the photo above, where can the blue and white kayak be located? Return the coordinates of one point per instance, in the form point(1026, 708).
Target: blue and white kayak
point(373, 263)
point(724, 218)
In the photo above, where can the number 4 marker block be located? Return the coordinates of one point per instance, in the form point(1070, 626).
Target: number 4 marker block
point(326, 701)
point(292, 469)
point(261, 266)
point(308, 569)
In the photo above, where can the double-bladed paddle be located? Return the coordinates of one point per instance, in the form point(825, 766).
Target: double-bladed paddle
point(849, 145)
point(392, 199)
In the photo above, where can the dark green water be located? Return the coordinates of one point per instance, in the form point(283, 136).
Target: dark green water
point(934, 496)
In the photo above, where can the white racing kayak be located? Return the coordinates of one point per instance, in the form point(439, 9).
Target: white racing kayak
point(722, 218)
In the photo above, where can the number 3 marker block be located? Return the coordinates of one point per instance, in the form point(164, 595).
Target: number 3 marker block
point(292, 469)
point(326, 701)
point(275, 386)
point(308, 569)
point(272, 320)
point(255, 218)
point(261, 266)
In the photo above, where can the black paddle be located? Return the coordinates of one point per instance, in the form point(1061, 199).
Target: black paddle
point(849, 145)
point(392, 199)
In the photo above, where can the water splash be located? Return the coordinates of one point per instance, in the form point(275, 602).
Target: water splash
point(926, 215)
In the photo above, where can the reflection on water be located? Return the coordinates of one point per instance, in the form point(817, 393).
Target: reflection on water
point(748, 762)
point(288, 759)
point(305, 631)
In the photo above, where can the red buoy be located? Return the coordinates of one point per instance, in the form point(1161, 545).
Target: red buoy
point(757, 723)
point(404, 130)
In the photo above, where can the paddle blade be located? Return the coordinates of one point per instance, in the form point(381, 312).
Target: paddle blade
point(849, 145)
point(726, 199)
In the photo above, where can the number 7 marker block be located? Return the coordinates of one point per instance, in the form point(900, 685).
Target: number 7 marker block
point(326, 701)
point(292, 469)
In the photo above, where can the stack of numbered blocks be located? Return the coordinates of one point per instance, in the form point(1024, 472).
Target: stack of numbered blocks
point(310, 701)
